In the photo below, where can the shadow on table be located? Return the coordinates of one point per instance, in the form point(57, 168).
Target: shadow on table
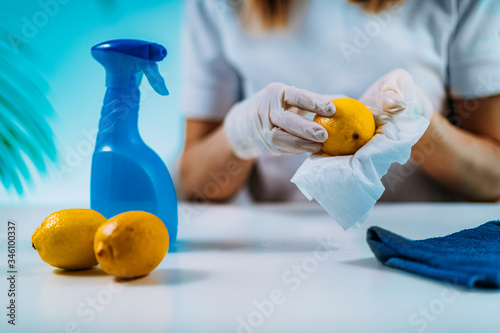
point(370, 262)
point(93, 271)
point(274, 245)
point(168, 276)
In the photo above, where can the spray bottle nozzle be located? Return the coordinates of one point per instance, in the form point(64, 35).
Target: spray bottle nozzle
point(125, 60)
point(157, 52)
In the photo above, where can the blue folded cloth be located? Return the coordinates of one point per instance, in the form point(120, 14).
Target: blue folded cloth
point(470, 257)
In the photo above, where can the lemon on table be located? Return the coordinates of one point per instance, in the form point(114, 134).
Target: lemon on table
point(131, 244)
point(348, 129)
point(65, 238)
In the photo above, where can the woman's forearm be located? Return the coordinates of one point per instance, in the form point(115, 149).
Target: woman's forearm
point(465, 162)
point(210, 170)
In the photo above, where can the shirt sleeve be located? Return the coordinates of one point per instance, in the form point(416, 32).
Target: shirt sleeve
point(210, 84)
point(474, 50)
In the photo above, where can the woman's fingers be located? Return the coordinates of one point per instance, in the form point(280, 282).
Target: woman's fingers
point(392, 103)
point(298, 125)
point(292, 144)
point(308, 101)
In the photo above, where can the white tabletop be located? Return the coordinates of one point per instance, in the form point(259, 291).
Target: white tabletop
point(264, 268)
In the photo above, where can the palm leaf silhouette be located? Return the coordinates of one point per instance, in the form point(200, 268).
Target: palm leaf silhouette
point(25, 136)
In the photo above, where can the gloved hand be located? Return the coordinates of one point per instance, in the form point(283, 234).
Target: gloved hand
point(272, 122)
point(396, 92)
point(348, 187)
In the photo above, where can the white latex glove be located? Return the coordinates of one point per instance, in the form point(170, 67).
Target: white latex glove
point(396, 92)
point(348, 187)
point(272, 122)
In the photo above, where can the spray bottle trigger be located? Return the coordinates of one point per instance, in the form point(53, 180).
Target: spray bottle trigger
point(150, 69)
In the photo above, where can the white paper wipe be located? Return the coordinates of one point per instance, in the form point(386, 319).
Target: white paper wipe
point(348, 187)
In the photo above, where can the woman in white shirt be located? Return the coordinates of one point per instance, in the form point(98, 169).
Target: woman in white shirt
point(239, 52)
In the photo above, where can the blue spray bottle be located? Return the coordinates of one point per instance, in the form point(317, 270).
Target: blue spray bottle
point(126, 174)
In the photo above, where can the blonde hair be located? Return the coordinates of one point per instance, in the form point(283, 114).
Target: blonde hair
point(274, 14)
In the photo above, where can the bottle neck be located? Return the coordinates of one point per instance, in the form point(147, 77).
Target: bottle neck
point(119, 116)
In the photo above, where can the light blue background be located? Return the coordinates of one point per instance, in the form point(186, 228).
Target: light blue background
point(77, 83)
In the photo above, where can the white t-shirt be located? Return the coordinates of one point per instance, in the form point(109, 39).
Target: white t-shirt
point(334, 47)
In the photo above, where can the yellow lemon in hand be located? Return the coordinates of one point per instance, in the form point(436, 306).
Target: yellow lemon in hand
point(348, 129)
point(65, 239)
point(131, 244)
